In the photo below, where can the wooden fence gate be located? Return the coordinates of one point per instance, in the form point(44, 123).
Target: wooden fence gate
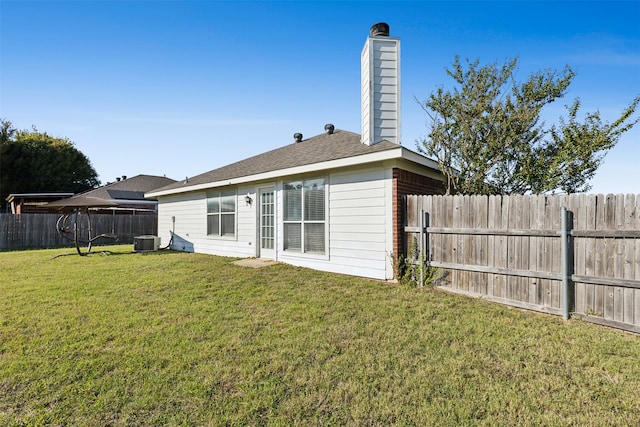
point(511, 249)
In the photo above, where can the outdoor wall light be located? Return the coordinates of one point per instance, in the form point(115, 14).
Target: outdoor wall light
point(248, 200)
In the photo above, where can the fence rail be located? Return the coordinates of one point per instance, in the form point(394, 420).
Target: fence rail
point(510, 249)
point(39, 230)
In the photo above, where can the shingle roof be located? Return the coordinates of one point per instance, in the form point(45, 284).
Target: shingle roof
point(109, 195)
point(321, 148)
point(81, 201)
point(129, 189)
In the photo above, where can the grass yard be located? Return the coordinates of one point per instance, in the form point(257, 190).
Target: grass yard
point(185, 339)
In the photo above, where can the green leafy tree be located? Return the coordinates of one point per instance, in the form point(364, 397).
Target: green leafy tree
point(488, 137)
point(32, 161)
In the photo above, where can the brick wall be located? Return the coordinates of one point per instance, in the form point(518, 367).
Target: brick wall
point(404, 183)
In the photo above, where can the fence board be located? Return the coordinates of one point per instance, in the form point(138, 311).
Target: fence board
point(481, 221)
point(538, 246)
point(618, 258)
point(470, 278)
point(491, 203)
point(509, 221)
point(525, 242)
point(547, 285)
point(607, 259)
point(558, 203)
point(460, 242)
point(600, 260)
point(629, 221)
point(578, 206)
point(590, 259)
point(448, 244)
point(500, 216)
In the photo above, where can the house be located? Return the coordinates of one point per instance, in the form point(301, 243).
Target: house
point(331, 202)
point(124, 196)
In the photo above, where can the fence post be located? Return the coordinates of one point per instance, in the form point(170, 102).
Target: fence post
point(421, 252)
point(567, 263)
point(404, 241)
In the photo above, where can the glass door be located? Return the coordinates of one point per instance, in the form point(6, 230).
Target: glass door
point(267, 232)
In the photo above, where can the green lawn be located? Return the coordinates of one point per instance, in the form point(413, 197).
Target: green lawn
point(185, 339)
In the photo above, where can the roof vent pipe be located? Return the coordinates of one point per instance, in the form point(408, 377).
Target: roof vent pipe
point(117, 179)
point(379, 29)
point(297, 137)
point(124, 177)
point(329, 128)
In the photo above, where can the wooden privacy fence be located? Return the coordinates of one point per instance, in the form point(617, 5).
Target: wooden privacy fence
point(521, 250)
point(39, 230)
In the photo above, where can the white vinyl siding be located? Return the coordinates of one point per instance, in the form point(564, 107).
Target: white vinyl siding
point(359, 207)
point(380, 65)
point(190, 213)
point(182, 216)
point(366, 105)
point(246, 220)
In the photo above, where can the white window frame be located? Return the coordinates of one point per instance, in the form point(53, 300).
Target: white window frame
point(302, 221)
point(220, 195)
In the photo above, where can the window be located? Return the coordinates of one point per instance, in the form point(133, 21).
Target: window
point(304, 216)
point(221, 214)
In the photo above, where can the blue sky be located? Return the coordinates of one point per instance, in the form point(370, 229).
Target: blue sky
point(178, 88)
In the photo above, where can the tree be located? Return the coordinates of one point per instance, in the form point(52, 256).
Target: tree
point(488, 137)
point(32, 161)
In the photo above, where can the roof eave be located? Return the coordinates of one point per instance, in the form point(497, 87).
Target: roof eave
point(421, 159)
point(395, 153)
point(134, 201)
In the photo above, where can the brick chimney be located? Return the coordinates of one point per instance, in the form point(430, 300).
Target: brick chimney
point(380, 62)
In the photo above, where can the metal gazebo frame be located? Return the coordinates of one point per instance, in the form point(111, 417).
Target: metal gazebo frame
point(79, 205)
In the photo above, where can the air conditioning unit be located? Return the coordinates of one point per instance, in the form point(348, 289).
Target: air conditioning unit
point(146, 243)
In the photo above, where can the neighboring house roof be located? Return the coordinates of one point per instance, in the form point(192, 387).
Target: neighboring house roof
point(324, 148)
point(129, 191)
point(82, 201)
point(132, 188)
